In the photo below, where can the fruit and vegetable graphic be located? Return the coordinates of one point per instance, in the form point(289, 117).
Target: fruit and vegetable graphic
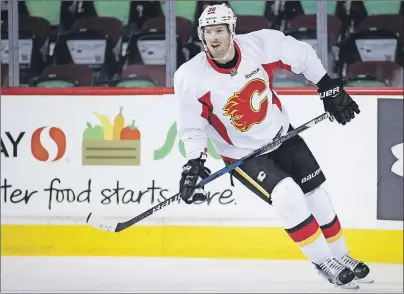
point(130, 132)
point(169, 143)
point(93, 133)
point(106, 126)
point(111, 144)
point(119, 124)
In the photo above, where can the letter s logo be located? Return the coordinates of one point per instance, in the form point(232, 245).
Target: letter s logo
point(39, 138)
point(397, 167)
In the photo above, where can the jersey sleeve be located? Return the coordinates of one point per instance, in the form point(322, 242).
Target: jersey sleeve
point(190, 125)
point(298, 56)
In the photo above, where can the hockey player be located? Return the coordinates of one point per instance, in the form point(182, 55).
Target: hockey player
point(226, 94)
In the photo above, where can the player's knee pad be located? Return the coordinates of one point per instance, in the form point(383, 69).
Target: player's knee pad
point(319, 202)
point(289, 202)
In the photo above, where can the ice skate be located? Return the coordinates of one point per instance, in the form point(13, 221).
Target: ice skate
point(337, 274)
point(360, 269)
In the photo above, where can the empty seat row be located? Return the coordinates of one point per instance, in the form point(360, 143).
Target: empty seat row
point(359, 74)
point(76, 75)
point(98, 42)
point(102, 43)
point(134, 13)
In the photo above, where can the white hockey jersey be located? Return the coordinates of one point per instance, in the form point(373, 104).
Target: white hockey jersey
point(237, 109)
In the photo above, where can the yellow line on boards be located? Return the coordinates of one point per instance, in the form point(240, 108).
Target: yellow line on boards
point(186, 241)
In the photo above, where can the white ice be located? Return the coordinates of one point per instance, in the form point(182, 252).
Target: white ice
point(169, 275)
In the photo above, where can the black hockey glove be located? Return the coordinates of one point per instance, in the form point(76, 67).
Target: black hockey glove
point(192, 173)
point(337, 102)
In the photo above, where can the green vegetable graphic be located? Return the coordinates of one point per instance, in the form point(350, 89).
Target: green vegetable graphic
point(93, 133)
point(181, 147)
point(168, 145)
point(211, 150)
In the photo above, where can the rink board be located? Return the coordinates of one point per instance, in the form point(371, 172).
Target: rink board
point(60, 171)
point(186, 241)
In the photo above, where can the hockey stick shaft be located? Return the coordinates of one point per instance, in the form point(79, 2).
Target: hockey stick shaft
point(263, 149)
point(124, 225)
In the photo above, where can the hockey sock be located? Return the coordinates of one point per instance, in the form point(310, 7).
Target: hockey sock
point(291, 207)
point(322, 208)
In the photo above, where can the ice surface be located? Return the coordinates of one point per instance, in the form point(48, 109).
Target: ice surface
point(169, 275)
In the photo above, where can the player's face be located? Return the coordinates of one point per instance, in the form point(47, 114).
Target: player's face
point(217, 38)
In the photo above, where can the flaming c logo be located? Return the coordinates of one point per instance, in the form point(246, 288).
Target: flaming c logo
point(240, 109)
point(40, 152)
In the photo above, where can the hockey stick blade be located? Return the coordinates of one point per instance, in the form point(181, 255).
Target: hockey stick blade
point(101, 223)
point(110, 226)
point(114, 226)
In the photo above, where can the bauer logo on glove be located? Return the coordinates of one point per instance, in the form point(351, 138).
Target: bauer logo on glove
point(330, 93)
point(337, 102)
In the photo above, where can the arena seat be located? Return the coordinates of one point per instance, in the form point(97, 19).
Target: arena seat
point(64, 76)
point(142, 74)
point(375, 73)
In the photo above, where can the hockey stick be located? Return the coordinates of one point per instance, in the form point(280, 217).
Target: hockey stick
point(113, 226)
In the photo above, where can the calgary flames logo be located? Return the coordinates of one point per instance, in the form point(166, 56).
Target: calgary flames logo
point(240, 109)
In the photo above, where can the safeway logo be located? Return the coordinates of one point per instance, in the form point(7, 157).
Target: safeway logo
point(397, 167)
point(48, 144)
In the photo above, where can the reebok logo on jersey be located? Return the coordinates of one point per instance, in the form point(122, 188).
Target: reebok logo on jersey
point(330, 93)
point(310, 176)
point(252, 73)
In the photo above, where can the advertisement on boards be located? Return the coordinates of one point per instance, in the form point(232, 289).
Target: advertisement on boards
point(390, 160)
point(63, 157)
point(69, 156)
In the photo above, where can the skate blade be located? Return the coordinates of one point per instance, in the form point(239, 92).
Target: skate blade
point(350, 286)
point(365, 280)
